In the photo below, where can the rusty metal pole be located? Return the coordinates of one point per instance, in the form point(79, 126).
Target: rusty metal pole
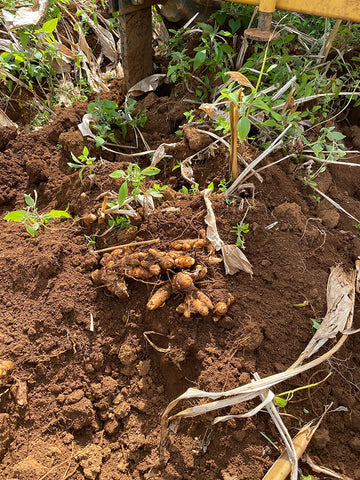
point(136, 40)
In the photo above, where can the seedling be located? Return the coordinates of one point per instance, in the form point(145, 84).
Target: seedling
point(190, 191)
point(240, 229)
point(282, 402)
point(108, 115)
point(136, 177)
point(82, 161)
point(316, 324)
point(31, 218)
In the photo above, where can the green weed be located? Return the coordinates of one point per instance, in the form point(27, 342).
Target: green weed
point(82, 162)
point(31, 218)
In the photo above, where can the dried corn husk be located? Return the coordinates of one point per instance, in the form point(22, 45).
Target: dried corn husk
point(340, 310)
point(234, 259)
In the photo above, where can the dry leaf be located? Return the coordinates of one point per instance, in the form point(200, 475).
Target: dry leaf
point(160, 153)
point(234, 259)
point(340, 309)
point(240, 78)
point(25, 16)
point(5, 121)
point(148, 84)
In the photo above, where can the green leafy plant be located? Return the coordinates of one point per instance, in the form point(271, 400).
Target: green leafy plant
point(31, 218)
point(240, 230)
point(190, 191)
point(82, 162)
point(315, 324)
point(109, 115)
point(136, 177)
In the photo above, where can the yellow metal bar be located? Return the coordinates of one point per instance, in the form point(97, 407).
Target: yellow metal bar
point(342, 9)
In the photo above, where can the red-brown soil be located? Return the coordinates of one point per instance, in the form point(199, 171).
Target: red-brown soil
point(95, 399)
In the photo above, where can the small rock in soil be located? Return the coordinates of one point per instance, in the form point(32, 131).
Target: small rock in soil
point(196, 140)
point(127, 356)
point(29, 469)
point(108, 385)
point(329, 215)
point(111, 426)
point(90, 459)
point(79, 415)
point(355, 444)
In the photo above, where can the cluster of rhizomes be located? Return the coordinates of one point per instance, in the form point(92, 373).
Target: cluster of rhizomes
point(178, 265)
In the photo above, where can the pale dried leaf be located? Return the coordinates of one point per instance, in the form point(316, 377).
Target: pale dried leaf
point(5, 121)
point(187, 172)
point(240, 79)
point(107, 42)
point(5, 45)
point(25, 16)
point(148, 84)
point(324, 470)
point(160, 153)
point(340, 309)
point(235, 260)
point(357, 266)
point(210, 220)
point(84, 126)
point(265, 401)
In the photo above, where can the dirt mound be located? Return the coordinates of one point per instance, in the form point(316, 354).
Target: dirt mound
point(95, 397)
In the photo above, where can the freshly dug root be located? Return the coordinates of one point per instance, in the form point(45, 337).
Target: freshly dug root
point(199, 273)
point(142, 272)
point(221, 308)
point(189, 244)
point(195, 302)
point(89, 218)
point(182, 282)
point(6, 367)
point(119, 289)
point(172, 259)
point(159, 298)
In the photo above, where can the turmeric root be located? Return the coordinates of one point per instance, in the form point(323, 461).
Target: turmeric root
point(221, 308)
point(195, 302)
point(189, 244)
point(6, 367)
point(159, 298)
point(182, 282)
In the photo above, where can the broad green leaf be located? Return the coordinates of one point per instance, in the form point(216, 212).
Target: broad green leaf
point(123, 193)
point(199, 59)
point(117, 174)
point(17, 216)
point(74, 165)
point(85, 151)
point(50, 25)
point(280, 401)
point(32, 230)
point(150, 171)
point(243, 128)
point(234, 24)
point(58, 214)
point(225, 47)
point(99, 141)
point(29, 200)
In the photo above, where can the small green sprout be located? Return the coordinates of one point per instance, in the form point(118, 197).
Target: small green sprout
point(31, 218)
point(82, 161)
point(240, 229)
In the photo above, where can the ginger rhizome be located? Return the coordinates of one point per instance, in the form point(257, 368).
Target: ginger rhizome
point(179, 269)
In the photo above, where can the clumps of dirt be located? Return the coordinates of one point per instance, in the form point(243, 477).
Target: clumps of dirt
point(95, 395)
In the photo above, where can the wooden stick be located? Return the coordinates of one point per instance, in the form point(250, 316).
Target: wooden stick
point(133, 244)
